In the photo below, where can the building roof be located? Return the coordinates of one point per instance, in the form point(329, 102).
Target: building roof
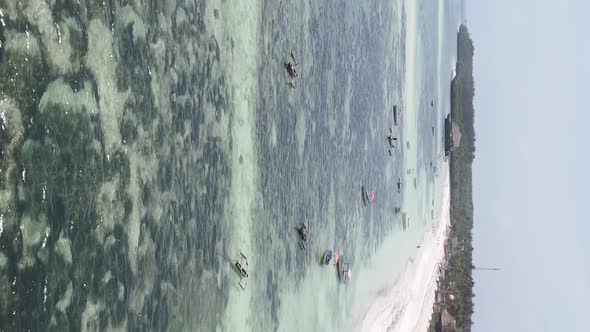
point(456, 135)
point(448, 322)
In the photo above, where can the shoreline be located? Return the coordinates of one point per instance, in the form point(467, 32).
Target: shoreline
point(408, 304)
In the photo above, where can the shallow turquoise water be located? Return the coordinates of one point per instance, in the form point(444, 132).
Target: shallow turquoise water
point(145, 144)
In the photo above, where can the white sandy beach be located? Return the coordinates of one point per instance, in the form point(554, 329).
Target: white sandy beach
point(407, 306)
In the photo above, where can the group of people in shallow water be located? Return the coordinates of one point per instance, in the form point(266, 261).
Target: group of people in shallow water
point(291, 67)
point(242, 263)
point(390, 140)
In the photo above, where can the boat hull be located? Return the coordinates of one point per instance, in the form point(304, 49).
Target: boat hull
point(327, 258)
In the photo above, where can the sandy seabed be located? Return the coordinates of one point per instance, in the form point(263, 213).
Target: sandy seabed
point(407, 305)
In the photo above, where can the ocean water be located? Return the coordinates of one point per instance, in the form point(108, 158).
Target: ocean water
point(145, 144)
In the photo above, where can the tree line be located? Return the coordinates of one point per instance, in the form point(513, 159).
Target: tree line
point(457, 285)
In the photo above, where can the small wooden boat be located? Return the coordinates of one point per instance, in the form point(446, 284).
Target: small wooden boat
point(327, 257)
point(240, 265)
point(241, 269)
point(344, 271)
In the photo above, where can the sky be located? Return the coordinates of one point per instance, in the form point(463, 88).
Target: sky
point(530, 174)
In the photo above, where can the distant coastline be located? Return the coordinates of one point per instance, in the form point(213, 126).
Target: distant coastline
point(453, 306)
